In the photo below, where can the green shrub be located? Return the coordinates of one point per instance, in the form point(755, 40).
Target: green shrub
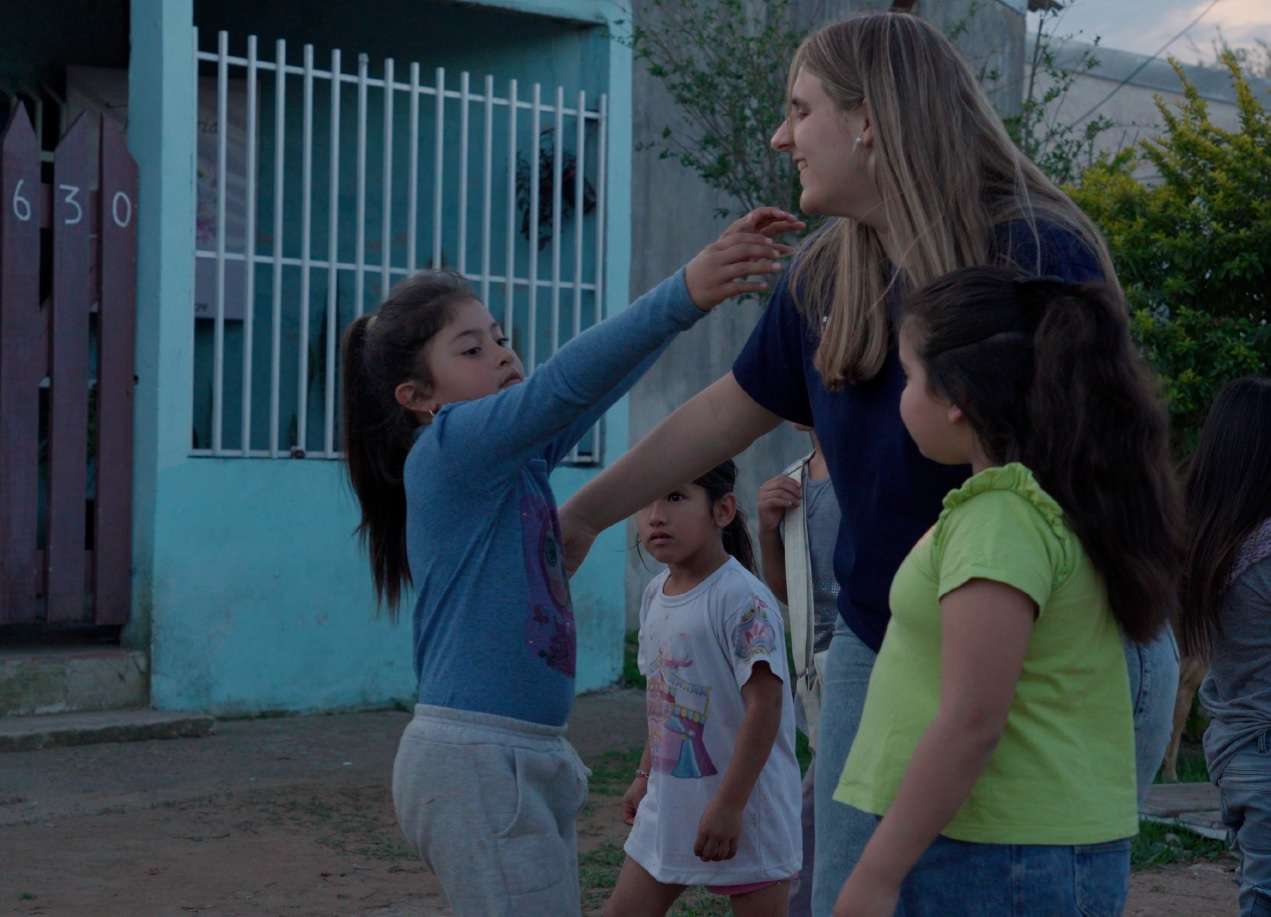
point(1193, 250)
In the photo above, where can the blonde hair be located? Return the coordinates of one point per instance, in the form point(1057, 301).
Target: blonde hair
point(946, 170)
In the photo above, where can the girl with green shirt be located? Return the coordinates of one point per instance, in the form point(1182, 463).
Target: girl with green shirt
point(996, 742)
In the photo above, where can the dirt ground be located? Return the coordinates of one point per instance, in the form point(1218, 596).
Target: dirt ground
point(183, 828)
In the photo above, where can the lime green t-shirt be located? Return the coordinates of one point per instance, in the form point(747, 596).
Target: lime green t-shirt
point(1063, 771)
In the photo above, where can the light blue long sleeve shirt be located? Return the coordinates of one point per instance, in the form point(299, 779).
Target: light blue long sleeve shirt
point(493, 624)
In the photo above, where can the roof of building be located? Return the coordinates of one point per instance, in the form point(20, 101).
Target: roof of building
point(1213, 83)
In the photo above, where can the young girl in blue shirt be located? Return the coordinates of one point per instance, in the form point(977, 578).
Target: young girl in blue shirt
point(449, 445)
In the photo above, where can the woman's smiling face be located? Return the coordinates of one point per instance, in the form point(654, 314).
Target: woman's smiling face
point(830, 149)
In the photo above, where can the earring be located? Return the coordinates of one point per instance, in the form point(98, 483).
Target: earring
point(857, 142)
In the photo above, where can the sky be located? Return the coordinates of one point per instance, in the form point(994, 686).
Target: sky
point(1143, 26)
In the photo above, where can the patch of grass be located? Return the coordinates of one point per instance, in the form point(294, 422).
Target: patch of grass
point(1160, 845)
point(26, 896)
point(1191, 764)
point(631, 677)
point(613, 773)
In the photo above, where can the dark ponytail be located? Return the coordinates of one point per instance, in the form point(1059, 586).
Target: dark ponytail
point(719, 482)
point(1047, 375)
point(377, 353)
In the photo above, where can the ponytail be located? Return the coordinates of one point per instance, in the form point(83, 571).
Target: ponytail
point(378, 352)
point(719, 482)
point(737, 541)
point(1101, 449)
point(1047, 375)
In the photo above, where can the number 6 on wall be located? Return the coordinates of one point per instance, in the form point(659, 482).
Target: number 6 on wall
point(21, 206)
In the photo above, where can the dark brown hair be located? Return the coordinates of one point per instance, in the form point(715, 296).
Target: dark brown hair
point(719, 482)
point(1046, 374)
point(1228, 495)
point(378, 352)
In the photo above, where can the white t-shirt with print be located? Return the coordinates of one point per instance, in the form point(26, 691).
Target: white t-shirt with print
point(697, 650)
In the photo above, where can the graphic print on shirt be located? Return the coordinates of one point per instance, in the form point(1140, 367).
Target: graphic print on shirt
point(677, 721)
point(549, 630)
point(755, 634)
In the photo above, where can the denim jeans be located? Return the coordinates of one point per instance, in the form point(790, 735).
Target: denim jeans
point(841, 831)
point(1245, 790)
point(1153, 669)
point(955, 878)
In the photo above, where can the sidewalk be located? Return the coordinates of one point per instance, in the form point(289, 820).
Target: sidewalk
point(286, 815)
point(293, 816)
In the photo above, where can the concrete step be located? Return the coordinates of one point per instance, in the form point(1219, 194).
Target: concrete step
point(29, 733)
point(1194, 806)
point(35, 681)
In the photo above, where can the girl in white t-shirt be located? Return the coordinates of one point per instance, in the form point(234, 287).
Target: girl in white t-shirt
point(715, 800)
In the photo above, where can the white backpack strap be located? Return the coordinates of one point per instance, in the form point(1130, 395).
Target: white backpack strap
point(799, 581)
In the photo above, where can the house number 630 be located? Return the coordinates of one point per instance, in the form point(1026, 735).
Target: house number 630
point(120, 205)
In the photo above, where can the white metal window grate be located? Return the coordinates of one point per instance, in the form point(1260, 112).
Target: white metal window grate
point(507, 191)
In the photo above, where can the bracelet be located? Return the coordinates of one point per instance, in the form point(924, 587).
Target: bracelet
point(640, 772)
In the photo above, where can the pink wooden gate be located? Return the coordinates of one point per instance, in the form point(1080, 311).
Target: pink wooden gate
point(68, 252)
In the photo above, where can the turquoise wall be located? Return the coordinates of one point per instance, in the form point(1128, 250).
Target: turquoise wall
point(250, 590)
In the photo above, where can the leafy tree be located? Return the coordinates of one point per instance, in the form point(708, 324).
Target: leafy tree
point(1059, 148)
point(724, 64)
point(1194, 251)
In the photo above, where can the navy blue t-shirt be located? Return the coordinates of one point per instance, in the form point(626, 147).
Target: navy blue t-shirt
point(888, 492)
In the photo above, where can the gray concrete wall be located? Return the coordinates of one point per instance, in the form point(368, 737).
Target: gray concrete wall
point(673, 216)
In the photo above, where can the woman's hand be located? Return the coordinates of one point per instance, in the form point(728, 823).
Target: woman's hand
point(866, 896)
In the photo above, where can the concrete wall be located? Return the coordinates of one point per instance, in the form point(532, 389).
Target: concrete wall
point(673, 217)
point(250, 592)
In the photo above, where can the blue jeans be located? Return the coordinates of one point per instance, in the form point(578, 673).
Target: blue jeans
point(955, 878)
point(1153, 669)
point(1245, 790)
point(841, 831)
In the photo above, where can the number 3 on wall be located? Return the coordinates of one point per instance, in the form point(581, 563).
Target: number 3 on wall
point(71, 191)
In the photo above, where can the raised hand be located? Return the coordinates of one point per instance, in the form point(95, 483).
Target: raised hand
point(721, 269)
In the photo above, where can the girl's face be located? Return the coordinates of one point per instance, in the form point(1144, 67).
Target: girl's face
point(834, 168)
point(936, 424)
point(468, 359)
point(676, 527)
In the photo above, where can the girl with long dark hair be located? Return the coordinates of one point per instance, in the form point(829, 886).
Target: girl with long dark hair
point(449, 446)
point(1226, 617)
point(997, 744)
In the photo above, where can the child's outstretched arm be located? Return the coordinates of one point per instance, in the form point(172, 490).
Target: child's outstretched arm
point(985, 629)
point(720, 827)
point(503, 428)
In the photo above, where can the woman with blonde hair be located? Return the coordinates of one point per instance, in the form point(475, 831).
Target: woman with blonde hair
point(897, 145)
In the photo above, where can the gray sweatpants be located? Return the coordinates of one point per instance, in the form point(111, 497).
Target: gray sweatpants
point(489, 803)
